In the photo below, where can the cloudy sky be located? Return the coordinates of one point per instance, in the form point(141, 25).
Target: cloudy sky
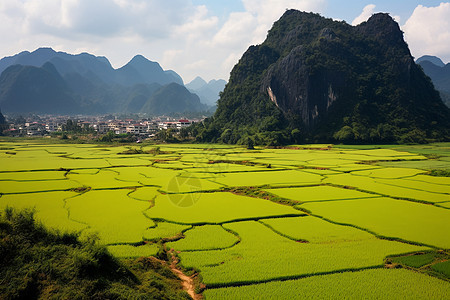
point(195, 37)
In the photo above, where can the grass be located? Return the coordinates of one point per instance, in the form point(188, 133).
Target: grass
point(263, 255)
point(207, 237)
point(405, 220)
point(36, 263)
point(391, 188)
point(315, 230)
point(215, 208)
point(366, 284)
point(272, 178)
point(49, 209)
point(129, 251)
point(416, 260)
point(443, 268)
point(112, 214)
point(164, 230)
point(230, 213)
point(319, 193)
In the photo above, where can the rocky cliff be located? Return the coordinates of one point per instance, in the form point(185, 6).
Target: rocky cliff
point(318, 80)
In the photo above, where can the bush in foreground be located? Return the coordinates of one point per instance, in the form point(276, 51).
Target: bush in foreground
point(38, 263)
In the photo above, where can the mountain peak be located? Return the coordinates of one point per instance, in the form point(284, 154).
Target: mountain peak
point(196, 84)
point(318, 80)
point(382, 27)
point(432, 59)
point(140, 59)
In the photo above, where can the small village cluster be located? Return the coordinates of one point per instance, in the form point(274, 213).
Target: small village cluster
point(143, 127)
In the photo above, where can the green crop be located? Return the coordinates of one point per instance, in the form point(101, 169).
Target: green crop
point(319, 193)
point(443, 268)
point(273, 178)
point(405, 220)
point(205, 237)
point(416, 260)
point(367, 284)
point(215, 208)
point(164, 230)
point(263, 255)
point(128, 251)
point(49, 208)
point(315, 230)
point(112, 214)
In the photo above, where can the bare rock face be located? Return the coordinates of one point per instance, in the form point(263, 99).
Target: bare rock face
point(2, 119)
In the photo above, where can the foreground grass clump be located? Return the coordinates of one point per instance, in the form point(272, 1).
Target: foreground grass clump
point(38, 263)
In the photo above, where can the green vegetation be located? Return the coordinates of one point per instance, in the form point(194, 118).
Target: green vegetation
point(164, 230)
point(215, 208)
point(367, 284)
point(38, 263)
point(112, 214)
point(443, 267)
point(228, 216)
point(416, 260)
point(207, 237)
point(129, 251)
point(391, 218)
point(263, 255)
point(318, 80)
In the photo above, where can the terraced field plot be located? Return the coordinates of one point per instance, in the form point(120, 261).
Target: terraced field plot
point(266, 223)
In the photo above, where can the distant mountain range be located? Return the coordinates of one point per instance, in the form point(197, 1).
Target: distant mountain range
point(207, 91)
point(439, 74)
point(46, 81)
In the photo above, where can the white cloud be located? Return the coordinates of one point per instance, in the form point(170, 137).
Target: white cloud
point(367, 12)
point(180, 35)
point(427, 31)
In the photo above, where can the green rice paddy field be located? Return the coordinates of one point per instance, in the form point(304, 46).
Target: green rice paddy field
point(316, 221)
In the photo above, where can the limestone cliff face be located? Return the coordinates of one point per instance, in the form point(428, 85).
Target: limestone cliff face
point(329, 81)
point(2, 119)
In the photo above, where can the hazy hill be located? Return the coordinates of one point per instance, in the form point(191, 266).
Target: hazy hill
point(207, 91)
point(138, 70)
point(172, 98)
point(25, 89)
point(433, 59)
point(318, 80)
point(46, 81)
point(439, 74)
point(141, 70)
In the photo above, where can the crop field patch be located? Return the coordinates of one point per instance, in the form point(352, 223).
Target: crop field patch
point(129, 251)
point(263, 254)
point(319, 193)
point(443, 268)
point(405, 220)
point(14, 187)
point(207, 237)
point(112, 214)
point(33, 176)
point(315, 230)
point(367, 284)
point(49, 208)
point(272, 178)
point(164, 230)
point(215, 208)
point(387, 187)
point(263, 223)
point(389, 173)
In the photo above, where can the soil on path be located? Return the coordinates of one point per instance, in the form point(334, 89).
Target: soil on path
point(187, 281)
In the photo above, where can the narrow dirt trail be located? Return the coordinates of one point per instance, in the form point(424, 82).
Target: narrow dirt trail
point(187, 281)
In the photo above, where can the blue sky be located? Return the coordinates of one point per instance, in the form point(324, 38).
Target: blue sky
point(196, 37)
